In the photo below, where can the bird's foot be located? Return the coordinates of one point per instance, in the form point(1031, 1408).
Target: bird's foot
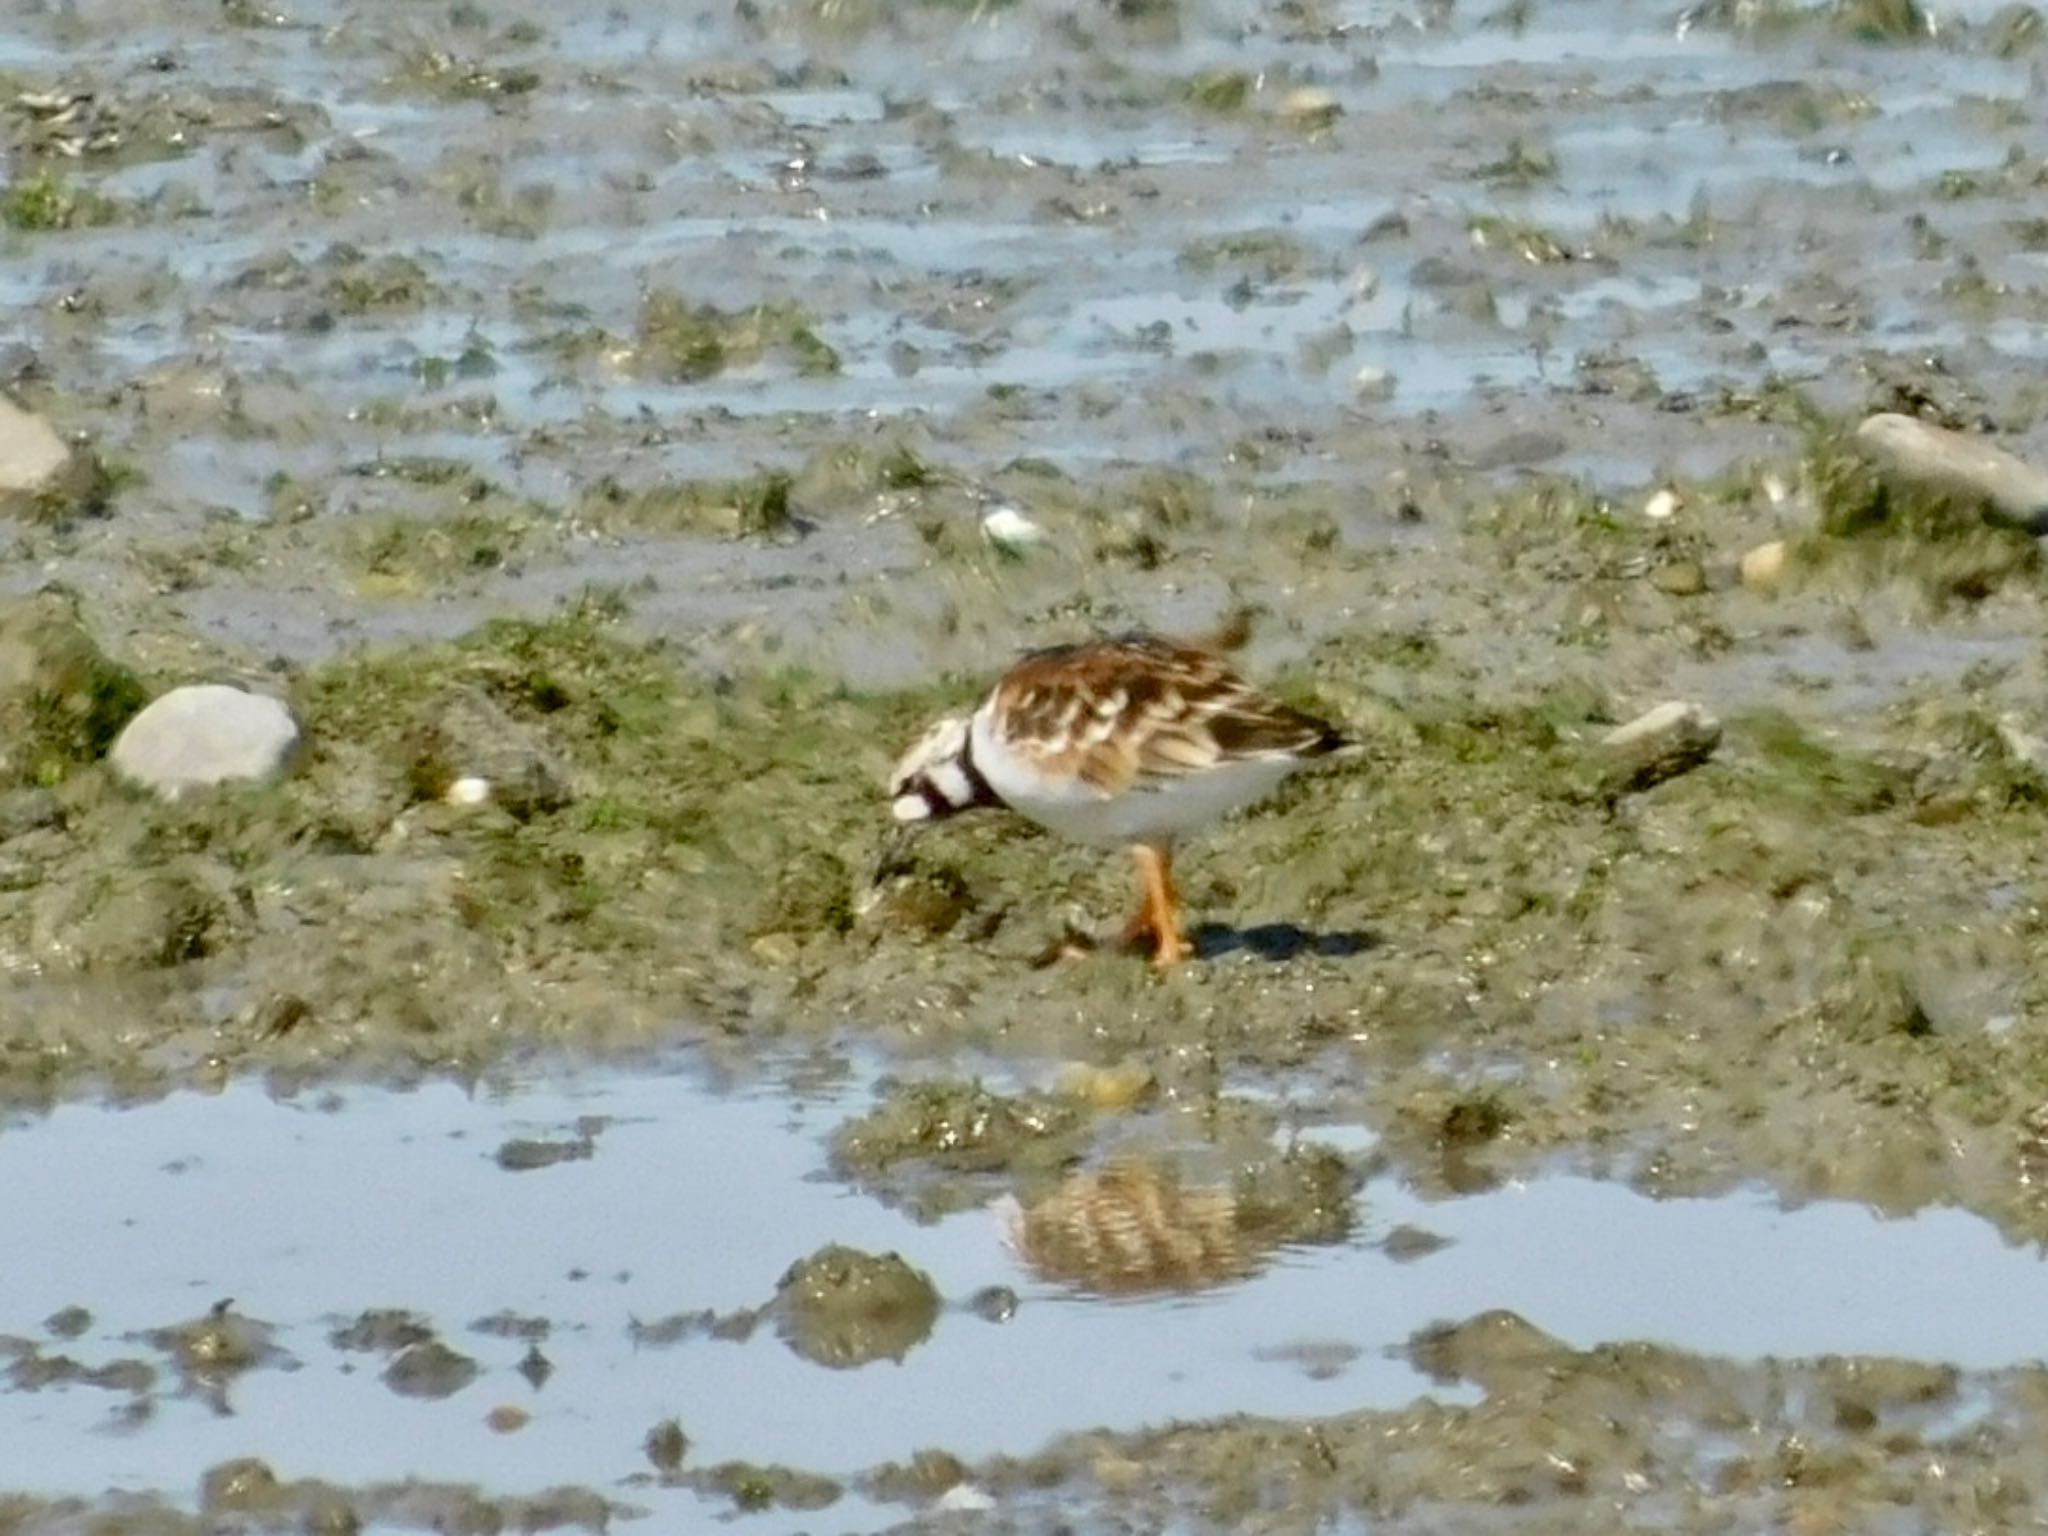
point(1164, 942)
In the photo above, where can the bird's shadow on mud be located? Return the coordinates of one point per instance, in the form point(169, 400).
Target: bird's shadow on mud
point(1280, 942)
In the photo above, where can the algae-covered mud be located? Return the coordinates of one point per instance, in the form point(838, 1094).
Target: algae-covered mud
point(614, 434)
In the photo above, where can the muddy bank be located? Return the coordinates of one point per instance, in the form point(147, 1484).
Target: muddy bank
point(1596, 1440)
point(1805, 958)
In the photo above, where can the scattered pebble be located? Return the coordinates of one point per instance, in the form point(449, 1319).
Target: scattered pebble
point(468, 790)
point(1373, 383)
point(964, 1498)
point(1776, 491)
point(203, 735)
point(430, 1370)
point(666, 1445)
point(1310, 106)
point(1764, 567)
point(523, 1154)
point(1959, 463)
point(508, 1418)
point(1663, 506)
point(1680, 578)
point(1659, 744)
point(68, 1322)
point(1405, 1244)
point(994, 1303)
point(1007, 526)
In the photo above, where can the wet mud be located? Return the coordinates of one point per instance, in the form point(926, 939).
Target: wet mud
point(616, 435)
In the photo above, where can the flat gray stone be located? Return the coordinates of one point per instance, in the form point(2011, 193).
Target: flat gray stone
point(1958, 463)
point(33, 458)
point(208, 734)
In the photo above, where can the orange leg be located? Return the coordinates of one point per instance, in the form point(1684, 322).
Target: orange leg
point(1158, 916)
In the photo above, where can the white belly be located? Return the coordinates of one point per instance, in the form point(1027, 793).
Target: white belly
point(1157, 813)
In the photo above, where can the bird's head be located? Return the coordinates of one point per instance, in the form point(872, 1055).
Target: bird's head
point(937, 778)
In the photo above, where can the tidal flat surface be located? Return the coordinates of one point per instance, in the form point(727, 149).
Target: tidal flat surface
point(606, 403)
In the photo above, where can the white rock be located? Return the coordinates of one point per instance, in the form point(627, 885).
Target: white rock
point(1007, 527)
point(1673, 717)
point(1311, 106)
point(1663, 506)
point(1776, 491)
point(1959, 463)
point(208, 734)
point(964, 1497)
point(1372, 383)
point(32, 456)
point(1764, 567)
point(469, 790)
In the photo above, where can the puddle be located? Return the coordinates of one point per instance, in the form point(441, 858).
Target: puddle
point(671, 1198)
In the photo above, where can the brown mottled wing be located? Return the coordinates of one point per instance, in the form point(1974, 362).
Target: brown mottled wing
point(1119, 714)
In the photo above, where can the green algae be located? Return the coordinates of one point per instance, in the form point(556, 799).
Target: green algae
point(1530, 242)
point(839, 477)
point(47, 201)
point(62, 700)
point(361, 284)
point(752, 1487)
point(1224, 92)
point(1881, 21)
point(754, 506)
point(679, 342)
point(415, 554)
point(1520, 165)
point(1273, 255)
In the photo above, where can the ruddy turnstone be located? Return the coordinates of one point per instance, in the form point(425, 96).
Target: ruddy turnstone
point(1135, 739)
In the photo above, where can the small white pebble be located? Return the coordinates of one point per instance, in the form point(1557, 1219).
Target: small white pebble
point(1008, 527)
point(1309, 104)
point(1372, 383)
point(1764, 567)
point(1776, 491)
point(1662, 507)
point(468, 791)
point(964, 1496)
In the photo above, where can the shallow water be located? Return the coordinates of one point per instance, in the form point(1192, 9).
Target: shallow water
point(310, 1209)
